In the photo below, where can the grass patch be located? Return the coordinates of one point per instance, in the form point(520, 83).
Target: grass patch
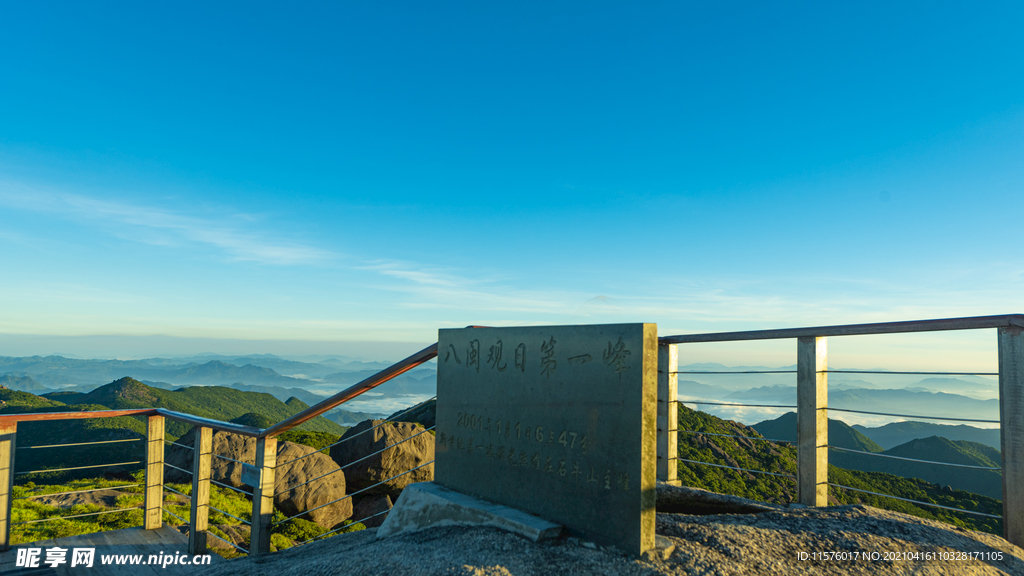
point(283, 535)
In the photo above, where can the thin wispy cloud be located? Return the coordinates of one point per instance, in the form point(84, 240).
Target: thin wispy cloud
point(433, 288)
point(235, 237)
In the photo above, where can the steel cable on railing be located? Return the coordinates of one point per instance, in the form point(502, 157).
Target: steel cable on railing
point(356, 435)
point(175, 515)
point(702, 402)
point(78, 444)
point(354, 493)
point(76, 516)
point(231, 459)
point(910, 416)
point(915, 501)
point(737, 436)
point(166, 487)
point(180, 445)
point(340, 468)
point(230, 515)
point(176, 468)
point(736, 372)
point(78, 467)
point(239, 490)
point(913, 459)
point(76, 491)
point(735, 468)
point(229, 542)
point(340, 528)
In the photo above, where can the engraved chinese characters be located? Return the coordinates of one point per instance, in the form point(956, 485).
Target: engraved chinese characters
point(519, 445)
point(557, 421)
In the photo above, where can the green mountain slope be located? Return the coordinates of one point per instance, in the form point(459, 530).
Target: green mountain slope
point(215, 402)
point(22, 383)
point(736, 453)
point(934, 449)
point(763, 455)
point(839, 433)
point(21, 402)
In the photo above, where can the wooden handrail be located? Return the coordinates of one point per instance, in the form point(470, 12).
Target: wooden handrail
point(170, 414)
point(971, 323)
point(425, 355)
point(38, 416)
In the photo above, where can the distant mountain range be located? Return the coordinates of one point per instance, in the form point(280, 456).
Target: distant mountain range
point(213, 402)
point(930, 448)
point(912, 401)
point(258, 370)
point(892, 435)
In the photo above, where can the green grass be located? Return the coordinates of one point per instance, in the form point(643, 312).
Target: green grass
point(283, 535)
point(23, 510)
point(318, 440)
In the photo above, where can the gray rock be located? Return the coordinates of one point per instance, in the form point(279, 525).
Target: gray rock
point(727, 544)
point(314, 494)
point(686, 500)
point(401, 457)
point(366, 510)
point(291, 502)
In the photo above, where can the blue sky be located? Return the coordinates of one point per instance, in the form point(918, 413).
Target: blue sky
point(373, 172)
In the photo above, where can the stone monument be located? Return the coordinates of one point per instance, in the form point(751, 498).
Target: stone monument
point(557, 421)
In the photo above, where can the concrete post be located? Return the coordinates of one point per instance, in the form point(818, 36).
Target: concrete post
point(7, 445)
point(201, 471)
point(668, 414)
point(154, 516)
point(812, 421)
point(1011, 430)
point(263, 496)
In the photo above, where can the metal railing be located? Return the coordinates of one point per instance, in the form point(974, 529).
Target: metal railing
point(812, 406)
point(812, 443)
point(154, 487)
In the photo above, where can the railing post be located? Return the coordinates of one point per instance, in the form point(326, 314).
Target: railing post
point(1011, 430)
point(668, 413)
point(154, 473)
point(202, 449)
point(812, 420)
point(263, 496)
point(8, 431)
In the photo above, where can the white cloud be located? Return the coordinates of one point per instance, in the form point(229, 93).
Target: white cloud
point(167, 227)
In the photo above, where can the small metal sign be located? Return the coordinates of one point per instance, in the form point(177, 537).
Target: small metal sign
point(251, 475)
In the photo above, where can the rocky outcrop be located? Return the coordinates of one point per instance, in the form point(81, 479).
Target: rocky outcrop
point(686, 500)
point(403, 446)
point(312, 465)
point(290, 474)
point(371, 510)
point(729, 544)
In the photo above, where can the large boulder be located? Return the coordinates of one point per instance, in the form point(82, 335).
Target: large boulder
point(289, 474)
point(372, 510)
point(402, 446)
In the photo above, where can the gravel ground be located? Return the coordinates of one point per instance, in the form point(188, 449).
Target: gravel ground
point(727, 544)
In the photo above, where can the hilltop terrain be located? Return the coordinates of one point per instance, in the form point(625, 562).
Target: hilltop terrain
point(208, 401)
point(728, 544)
